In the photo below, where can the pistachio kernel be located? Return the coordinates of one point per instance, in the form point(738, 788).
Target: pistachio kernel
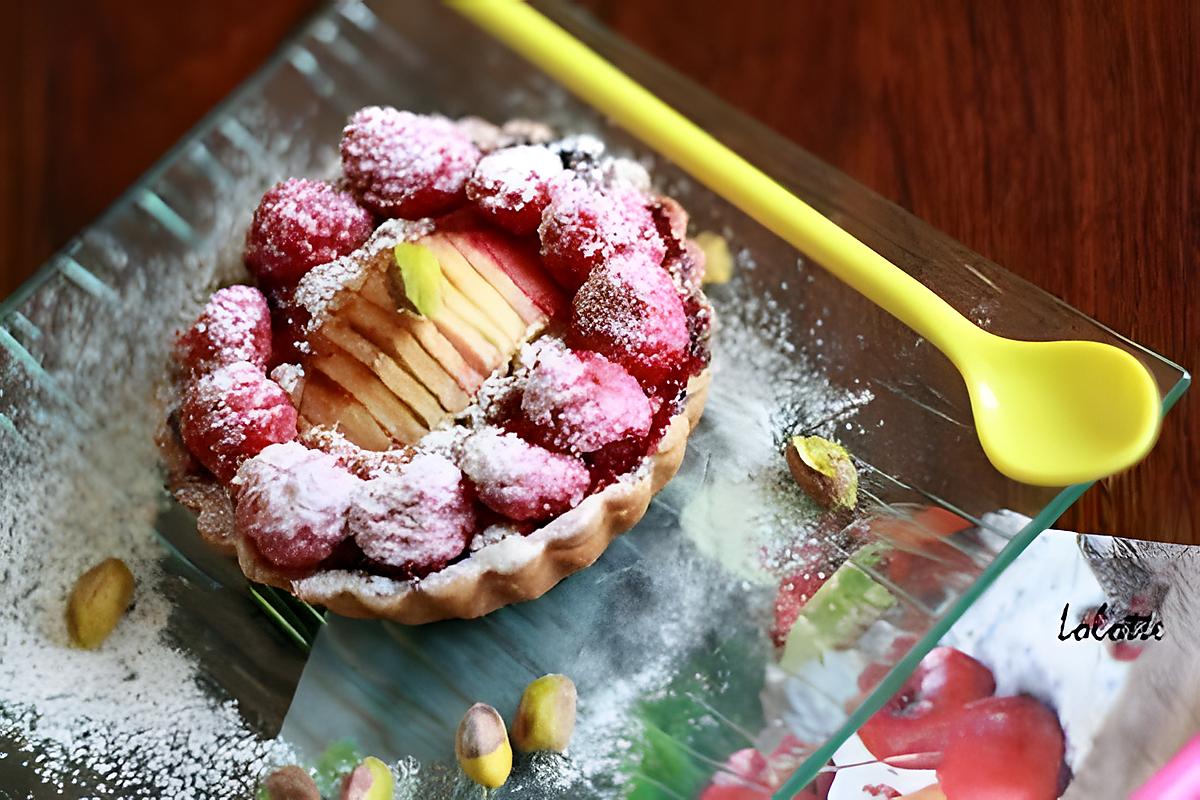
point(482, 747)
point(546, 716)
point(98, 601)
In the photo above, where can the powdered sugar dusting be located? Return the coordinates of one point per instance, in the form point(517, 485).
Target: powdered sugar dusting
point(140, 717)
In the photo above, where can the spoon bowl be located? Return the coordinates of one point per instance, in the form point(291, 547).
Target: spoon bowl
point(1062, 412)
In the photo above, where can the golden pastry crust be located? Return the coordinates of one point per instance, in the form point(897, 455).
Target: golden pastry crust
point(512, 570)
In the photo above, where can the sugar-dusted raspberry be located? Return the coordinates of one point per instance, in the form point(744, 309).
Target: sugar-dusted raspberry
point(300, 224)
point(235, 325)
point(520, 480)
point(629, 311)
point(231, 414)
point(417, 518)
point(583, 226)
point(511, 186)
point(578, 401)
point(292, 503)
point(407, 165)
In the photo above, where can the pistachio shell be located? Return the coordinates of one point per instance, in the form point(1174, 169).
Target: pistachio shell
point(99, 600)
point(824, 470)
point(546, 716)
point(421, 275)
point(290, 783)
point(482, 746)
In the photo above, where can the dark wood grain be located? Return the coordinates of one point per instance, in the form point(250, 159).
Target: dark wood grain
point(1061, 140)
point(1058, 139)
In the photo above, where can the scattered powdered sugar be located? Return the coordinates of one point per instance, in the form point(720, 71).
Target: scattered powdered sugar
point(140, 717)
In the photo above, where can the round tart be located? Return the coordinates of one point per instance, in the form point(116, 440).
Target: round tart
point(461, 370)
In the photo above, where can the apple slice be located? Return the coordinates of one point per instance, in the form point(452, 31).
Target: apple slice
point(403, 385)
point(358, 381)
point(479, 353)
point(468, 281)
point(387, 332)
point(504, 262)
point(456, 302)
point(325, 403)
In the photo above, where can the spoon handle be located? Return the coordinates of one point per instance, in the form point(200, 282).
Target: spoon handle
point(713, 164)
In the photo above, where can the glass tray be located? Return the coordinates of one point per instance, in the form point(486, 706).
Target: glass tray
point(797, 350)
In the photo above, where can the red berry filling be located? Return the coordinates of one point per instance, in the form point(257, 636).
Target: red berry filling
point(578, 401)
point(629, 311)
point(234, 326)
point(520, 480)
point(292, 503)
point(406, 165)
point(511, 186)
point(230, 415)
point(416, 519)
point(300, 224)
point(583, 227)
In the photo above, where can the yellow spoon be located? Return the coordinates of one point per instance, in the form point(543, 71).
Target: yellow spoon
point(1047, 413)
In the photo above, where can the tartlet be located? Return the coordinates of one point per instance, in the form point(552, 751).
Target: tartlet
point(462, 369)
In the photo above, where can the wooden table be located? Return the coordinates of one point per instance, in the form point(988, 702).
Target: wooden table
point(1061, 140)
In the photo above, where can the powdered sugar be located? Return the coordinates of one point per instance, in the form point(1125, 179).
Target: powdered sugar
point(147, 715)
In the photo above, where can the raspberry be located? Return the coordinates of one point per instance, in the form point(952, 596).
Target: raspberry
point(234, 326)
point(520, 480)
point(583, 227)
point(292, 502)
point(580, 401)
point(630, 312)
point(401, 164)
point(230, 415)
point(300, 224)
point(417, 518)
point(511, 186)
